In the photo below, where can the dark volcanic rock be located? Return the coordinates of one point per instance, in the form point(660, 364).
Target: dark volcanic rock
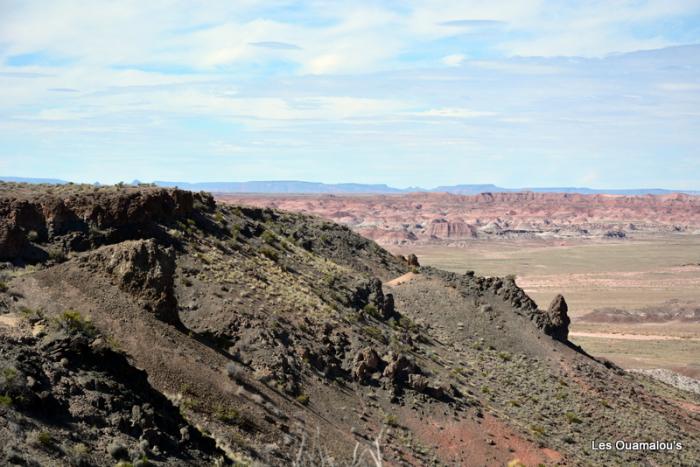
point(145, 269)
point(558, 320)
point(88, 216)
point(399, 368)
point(371, 293)
point(417, 382)
point(365, 363)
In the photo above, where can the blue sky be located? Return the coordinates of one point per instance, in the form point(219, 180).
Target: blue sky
point(518, 93)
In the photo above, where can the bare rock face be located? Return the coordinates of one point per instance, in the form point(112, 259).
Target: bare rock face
point(33, 219)
point(17, 219)
point(366, 362)
point(558, 320)
point(442, 228)
point(144, 269)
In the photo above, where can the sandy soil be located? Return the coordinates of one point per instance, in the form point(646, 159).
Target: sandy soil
point(631, 337)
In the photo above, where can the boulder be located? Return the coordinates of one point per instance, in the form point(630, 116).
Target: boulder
point(365, 363)
point(399, 368)
point(412, 260)
point(558, 321)
point(418, 383)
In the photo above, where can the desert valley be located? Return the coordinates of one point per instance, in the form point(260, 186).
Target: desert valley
point(374, 233)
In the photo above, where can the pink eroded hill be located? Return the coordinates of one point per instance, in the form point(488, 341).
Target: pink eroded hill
point(440, 217)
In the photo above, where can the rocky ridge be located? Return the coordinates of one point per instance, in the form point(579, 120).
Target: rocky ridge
point(271, 337)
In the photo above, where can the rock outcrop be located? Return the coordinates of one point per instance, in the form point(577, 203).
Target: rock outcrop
point(445, 229)
point(144, 269)
point(370, 295)
point(558, 320)
point(398, 368)
point(365, 363)
point(85, 217)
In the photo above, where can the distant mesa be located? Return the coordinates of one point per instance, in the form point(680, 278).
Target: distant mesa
point(303, 187)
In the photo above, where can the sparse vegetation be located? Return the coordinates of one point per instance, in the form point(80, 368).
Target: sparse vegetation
point(5, 400)
point(227, 415)
point(505, 356)
point(391, 420)
point(298, 338)
point(73, 321)
point(372, 311)
point(269, 253)
point(269, 237)
point(57, 255)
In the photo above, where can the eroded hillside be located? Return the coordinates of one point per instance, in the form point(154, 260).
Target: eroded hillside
point(420, 218)
point(146, 325)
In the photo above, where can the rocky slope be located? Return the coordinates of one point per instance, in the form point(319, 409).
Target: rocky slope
point(446, 218)
point(152, 326)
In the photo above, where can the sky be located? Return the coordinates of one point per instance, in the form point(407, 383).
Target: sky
point(601, 93)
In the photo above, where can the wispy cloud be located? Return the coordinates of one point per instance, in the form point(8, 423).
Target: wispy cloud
point(496, 89)
point(472, 23)
point(275, 45)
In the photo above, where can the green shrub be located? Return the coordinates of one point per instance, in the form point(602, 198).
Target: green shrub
point(303, 399)
point(406, 323)
point(235, 231)
point(538, 430)
point(33, 236)
point(372, 311)
point(44, 438)
point(352, 318)
point(74, 322)
point(375, 332)
point(3, 287)
point(330, 279)
point(269, 253)
point(9, 374)
point(505, 356)
point(391, 420)
point(228, 415)
point(572, 418)
point(5, 401)
point(268, 237)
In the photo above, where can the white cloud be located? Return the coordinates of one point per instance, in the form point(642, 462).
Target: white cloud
point(679, 87)
point(453, 112)
point(453, 60)
point(352, 76)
